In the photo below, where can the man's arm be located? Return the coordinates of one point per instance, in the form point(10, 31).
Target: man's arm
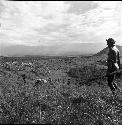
point(114, 57)
point(118, 59)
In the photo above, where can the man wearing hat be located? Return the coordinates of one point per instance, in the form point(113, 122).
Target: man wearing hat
point(113, 63)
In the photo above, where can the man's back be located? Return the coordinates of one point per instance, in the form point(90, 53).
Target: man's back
point(113, 57)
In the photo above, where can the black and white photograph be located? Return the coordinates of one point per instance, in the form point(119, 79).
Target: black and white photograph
point(61, 62)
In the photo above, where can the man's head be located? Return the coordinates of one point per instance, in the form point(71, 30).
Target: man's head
point(110, 42)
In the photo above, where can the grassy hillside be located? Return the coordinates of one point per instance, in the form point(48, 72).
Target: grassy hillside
point(63, 99)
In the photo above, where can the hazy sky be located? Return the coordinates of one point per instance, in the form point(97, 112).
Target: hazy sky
point(56, 22)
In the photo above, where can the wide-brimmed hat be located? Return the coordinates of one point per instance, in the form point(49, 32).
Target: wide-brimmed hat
point(110, 41)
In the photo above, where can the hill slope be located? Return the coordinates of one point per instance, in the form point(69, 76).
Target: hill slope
point(105, 51)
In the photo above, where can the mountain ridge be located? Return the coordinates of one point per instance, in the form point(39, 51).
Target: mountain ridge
point(58, 49)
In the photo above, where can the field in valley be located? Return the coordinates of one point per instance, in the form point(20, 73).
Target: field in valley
point(69, 96)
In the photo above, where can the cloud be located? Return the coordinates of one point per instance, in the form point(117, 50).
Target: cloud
point(79, 7)
point(52, 22)
point(102, 21)
point(21, 19)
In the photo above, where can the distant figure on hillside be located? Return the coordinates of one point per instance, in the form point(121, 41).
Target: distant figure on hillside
point(113, 63)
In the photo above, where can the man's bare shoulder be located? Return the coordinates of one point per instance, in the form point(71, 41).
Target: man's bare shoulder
point(114, 49)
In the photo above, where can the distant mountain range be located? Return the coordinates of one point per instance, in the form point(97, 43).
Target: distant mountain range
point(67, 49)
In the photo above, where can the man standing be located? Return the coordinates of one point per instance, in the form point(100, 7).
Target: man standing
point(113, 63)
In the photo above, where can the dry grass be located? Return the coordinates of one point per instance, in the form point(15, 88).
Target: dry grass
point(56, 102)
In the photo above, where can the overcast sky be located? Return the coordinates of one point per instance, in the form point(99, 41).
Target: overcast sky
point(56, 22)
